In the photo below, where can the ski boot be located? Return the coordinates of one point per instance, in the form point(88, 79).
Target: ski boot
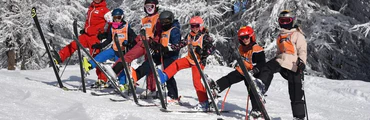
point(56, 59)
point(86, 65)
point(173, 101)
point(148, 94)
point(295, 118)
point(255, 115)
point(123, 88)
point(100, 84)
point(260, 87)
point(202, 106)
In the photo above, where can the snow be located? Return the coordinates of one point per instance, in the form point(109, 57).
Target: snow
point(32, 94)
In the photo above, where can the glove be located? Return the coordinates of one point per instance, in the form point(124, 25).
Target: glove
point(254, 71)
point(198, 50)
point(203, 61)
point(301, 65)
point(97, 46)
point(102, 36)
point(125, 43)
point(155, 46)
point(82, 31)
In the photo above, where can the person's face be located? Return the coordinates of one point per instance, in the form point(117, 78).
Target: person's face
point(97, 1)
point(245, 39)
point(117, 18)
point(195, 28)
point(150, 8)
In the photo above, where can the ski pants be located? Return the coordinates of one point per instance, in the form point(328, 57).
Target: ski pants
point(137, 51)
point(87, 42)
point(104, 56)
point(144, 69)
point(232, 78)
point(183, 63)
point(295, 85)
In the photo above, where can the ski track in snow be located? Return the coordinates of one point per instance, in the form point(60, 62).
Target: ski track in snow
point(32, 94)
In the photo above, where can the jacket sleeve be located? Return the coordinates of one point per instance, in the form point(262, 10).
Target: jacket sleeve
point(175, 39)
point(131, 38)
point(259, 59)
point(301, 46)
point(208, 47)
point(109, 38)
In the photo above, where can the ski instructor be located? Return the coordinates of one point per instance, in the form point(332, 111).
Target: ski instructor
point(97, 16)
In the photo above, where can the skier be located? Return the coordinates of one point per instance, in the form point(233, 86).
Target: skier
point(203, 47)
point(240, 6)
point(152, 28)
point(166, 49)
point(97, 16)
point(126, 37)
point(254, 60)
point(290, 61)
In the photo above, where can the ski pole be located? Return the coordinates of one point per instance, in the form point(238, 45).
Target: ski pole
point(246, 110)
point(304, 97)
point(223, 102)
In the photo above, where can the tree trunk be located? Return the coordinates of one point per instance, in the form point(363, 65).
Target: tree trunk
point(11, 59)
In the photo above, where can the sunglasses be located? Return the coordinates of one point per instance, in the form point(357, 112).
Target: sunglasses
point(149, 6)
point(285, 20)
point(195, 26)
point(245, 37)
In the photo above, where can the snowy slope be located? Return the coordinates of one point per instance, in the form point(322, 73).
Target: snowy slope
point(32, 95)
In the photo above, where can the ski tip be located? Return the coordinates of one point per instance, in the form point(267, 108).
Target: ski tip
point(33, 12)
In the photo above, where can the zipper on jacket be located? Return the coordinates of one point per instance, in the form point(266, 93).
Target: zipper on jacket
point(90, 18)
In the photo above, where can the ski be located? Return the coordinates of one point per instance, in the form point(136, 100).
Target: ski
point(205, 82)
point(56, 72)
point(79, 58)
point(102, 94)
point(152, 67)
point(117, 100)
point(251, 86)
point(126, 70)
point(193, 111)
point(111, 80)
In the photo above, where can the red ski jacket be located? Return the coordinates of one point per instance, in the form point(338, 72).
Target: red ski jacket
point(95, 21)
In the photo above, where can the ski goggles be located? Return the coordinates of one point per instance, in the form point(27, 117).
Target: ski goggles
point(285, 20)
point(118, 17)
point(195, 25)
point(149, 6)
point(165, 21)
point(245, 37)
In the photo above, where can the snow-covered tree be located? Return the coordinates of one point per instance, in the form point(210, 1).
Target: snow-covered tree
point(336, 30)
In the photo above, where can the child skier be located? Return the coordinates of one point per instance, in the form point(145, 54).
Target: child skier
point(166, 49)
point(126, 37)
point(254, 60)
point(201, 41)
point(290, 62)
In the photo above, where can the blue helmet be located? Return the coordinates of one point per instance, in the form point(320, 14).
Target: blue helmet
point(117, 12)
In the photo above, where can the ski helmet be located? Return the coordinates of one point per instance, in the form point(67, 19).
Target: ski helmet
point(197, 20)
point(246, 32)
point(151, 1)
point(166, 17)
point(117, 12)
point(287, 19)
point(151, 5)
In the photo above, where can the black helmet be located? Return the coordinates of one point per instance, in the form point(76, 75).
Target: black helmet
point(151, 1)
point(166, 17)
point(287, 19)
